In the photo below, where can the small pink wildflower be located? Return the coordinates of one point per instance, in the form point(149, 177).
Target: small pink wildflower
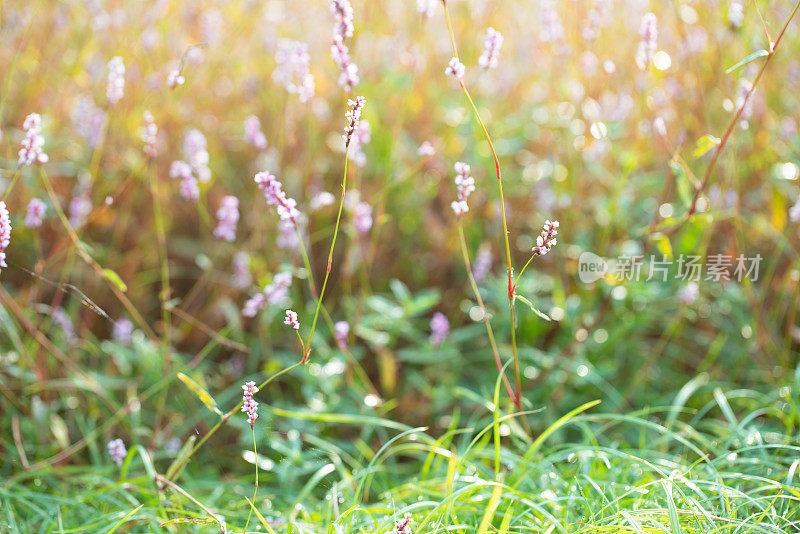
point(227, 217)
point(117, 450)
point(33, 143)
point(150, 135)
point(648, 44)
point(35, 213)
point(249, 405)
point(116, 80)
point(340, 332)
point(292, 69)
point(353, 116)
point(275, 196)
point(5, 233)
point(426, 149)
point(188, 188)
point(465, 185)
point(253, 133)
point(174, 79)
point(362, 217)
point(273, 294)
point(291, 320)
point(547, 239)
point(455, 68)
point(492, 42)
point(440, 329)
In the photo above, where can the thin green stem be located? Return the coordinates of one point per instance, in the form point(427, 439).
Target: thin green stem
point(306, 262)
point(509, 265)
point(162, 252)
point(255, 489)
point(484, 314)
point(11, 185)
point(516, 280)
point(307, 350)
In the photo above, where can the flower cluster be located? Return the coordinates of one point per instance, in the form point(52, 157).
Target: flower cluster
point(117, 450)
point(196, 152)
point(253, 133)
point(736, 14)
point(292, 69)
point(291, 320)
point(455, 68)
point(482, 265)
point(353, 116)
point(648, 44)
point(440, 329)
point(492, 42)
point(552, 29)
point(35, 214)
point(33, 143)
point(465, 185)
point(362, 217)
point(343, 28)
point(426, 7)
point(5, 232)
point(340, 332)
point(275, 196)
point(61, 318)
point(402, 525)
point(227, 217)
point(547, 239)
point(273, 294)
point(116, 80)
point(88, 120)
point(426, 149)
point(122, 331)
point(188, 188)
point(249, 405)
point(149, 135)
point(241, 270)
point(174, 79)
point(80, 206)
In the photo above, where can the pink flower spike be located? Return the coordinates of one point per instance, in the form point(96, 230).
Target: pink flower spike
point(253, 133)
point(117, 450)
point(249, 405)
point(228, 217)
point(35, 213)
point(33, 143)
point(5, 233)
point(455, 68)
point(465, 185)
point(116, 80)
point(174, 79)
point(547, 239)
point(291, 320)
point(353, 117)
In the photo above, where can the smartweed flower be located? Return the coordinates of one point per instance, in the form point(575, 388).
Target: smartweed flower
point(250, 406)
point(402, 525)
point(117, 450)
point(291, 320)
point(174, 79)
point(648, 44)
point(426, 7)
point(196, 152)
point(362, 217)
point(547, 239)
point(122, 331)
point(482, 265)
point(340, 332)
point(149, 135)
point(465, 185)
point(353, 116)
point(736, 13)
point(116, 80)
point(227, 217)
point(35, 214)
point(273, 192)
point(5, 233)
point(455, 68)
point(292, 69)
point(188, 188)
point(63, 321)
point(33, 143)
point(241, 270)
point(343, 28)
point(80, 206)
point(273, 294)
point(426, 149)
point(440, 329)
point(492, 42)
point(253, 133)
point(88, 120)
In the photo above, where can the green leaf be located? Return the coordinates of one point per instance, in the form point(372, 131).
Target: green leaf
point(180, 461)
point(755, 55)
point(704, 144)
point(115, 279)
point(124, 519)
point(201, 393)
point(533, 308)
